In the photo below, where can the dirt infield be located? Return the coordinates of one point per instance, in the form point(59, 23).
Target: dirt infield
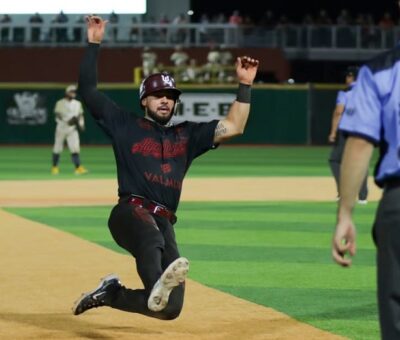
point(44, 269)
point(103, 192)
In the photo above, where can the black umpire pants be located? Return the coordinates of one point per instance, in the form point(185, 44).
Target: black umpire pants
point(151, 241)
point(335, 160)
point(386, 234)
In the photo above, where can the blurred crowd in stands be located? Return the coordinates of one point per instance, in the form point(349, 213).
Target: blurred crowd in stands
point(346, 30)
point(268, 21)
point(58, 33)
point(219, 66)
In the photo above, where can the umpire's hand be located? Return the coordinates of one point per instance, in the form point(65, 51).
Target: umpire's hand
point(344, 242)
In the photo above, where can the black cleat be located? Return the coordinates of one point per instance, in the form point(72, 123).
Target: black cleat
point(95, 298)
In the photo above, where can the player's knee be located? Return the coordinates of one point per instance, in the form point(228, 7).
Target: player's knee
point(57, 149)
point(172, 315)
point(175, 303)
point(171, 312)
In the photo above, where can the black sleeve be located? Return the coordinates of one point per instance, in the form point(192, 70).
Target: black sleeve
point(369, 139)
point(102, 108)
point(202, 137)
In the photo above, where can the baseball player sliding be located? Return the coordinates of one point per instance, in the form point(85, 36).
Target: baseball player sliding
point(152, 159)
point(69, 118)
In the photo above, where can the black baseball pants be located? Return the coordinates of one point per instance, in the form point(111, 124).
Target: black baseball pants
point(386, 233)
point(151, 241)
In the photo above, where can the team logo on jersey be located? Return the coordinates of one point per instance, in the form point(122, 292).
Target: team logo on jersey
point(149, 147)
point(166, 168)
point(167, 80)
point(28, 108)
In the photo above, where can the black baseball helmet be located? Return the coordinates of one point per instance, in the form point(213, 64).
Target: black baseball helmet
point(158, 82)
point(352, 71)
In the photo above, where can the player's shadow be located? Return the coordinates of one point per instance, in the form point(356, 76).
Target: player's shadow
point(75, 327)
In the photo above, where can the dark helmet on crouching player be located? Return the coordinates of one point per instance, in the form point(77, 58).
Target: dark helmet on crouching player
point(162, 83)
point(352, 71)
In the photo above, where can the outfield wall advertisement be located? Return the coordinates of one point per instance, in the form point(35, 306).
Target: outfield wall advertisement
point(279, 114)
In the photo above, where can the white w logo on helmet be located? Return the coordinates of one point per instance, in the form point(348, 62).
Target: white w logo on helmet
point(167, 80)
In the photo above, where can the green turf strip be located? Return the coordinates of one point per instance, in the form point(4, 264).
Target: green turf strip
point(350, 312)
point(35, 162)
point(275, 254)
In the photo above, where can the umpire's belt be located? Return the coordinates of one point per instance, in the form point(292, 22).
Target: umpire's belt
point(391, 183)
point(153, 207)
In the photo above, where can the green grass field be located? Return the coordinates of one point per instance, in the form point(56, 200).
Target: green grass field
point(34, 162)
point(275, 254)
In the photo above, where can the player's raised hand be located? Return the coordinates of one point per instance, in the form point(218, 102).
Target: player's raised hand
point(95, 28)
point(246, 69)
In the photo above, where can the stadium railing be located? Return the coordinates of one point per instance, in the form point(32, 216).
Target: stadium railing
point(311, 41)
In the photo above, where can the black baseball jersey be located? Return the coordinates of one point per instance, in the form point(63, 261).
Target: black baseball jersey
point(152, 160)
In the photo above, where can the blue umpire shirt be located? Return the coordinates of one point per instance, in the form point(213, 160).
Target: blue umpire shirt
point(342, 96)
point(373, 111)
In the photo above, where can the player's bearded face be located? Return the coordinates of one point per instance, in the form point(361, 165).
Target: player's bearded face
point(159, 107)
point(161, 119)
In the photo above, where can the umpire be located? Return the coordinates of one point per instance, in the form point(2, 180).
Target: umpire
point(372, 117)
point(338, 139)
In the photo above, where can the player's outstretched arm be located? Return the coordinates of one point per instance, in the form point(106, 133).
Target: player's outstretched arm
point(234, 123)
point(97, 103)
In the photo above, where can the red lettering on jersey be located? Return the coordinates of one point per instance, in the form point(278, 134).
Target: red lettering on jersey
point(150, 147)
point(172, 150)
point(147, 147)
point(165, 181)
point(166, 168)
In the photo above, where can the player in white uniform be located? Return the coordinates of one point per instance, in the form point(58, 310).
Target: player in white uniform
point(69, 117)
point(149, 60)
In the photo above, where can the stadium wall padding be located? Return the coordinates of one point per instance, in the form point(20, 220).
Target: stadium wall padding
point(61, 64)
point(280, 114)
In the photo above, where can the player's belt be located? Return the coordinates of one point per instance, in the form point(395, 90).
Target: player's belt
point(153, 207)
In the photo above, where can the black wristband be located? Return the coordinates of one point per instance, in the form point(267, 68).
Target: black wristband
point(244, 93)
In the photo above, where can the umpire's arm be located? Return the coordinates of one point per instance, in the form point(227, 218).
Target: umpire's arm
point(336, 115)
point(356, 157)
point(235, 122)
